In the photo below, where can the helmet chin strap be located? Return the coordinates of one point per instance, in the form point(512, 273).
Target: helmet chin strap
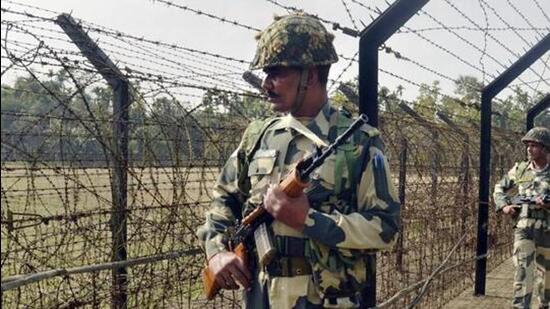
point(300, 91)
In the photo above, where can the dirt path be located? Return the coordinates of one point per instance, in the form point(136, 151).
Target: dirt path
point(498, 291)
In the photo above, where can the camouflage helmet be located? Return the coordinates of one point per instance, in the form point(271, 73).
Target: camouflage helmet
point(294, 40)
point(539, 135)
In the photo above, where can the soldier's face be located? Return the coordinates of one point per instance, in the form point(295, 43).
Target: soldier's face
point(280, 86)
point(535, 151)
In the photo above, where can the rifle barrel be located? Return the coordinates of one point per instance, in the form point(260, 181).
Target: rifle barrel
point(317, 161)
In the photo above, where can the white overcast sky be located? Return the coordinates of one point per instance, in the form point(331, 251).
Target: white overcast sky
point(159, 21)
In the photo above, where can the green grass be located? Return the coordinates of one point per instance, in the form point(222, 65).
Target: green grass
point(164, 218)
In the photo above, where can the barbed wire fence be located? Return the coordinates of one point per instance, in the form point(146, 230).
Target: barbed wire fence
point(188, 109)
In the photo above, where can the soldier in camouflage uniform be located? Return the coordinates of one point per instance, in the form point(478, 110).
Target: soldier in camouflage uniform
point(322, 236)
point(532, 226)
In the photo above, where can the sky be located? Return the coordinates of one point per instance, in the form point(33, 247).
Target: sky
point(433, 52)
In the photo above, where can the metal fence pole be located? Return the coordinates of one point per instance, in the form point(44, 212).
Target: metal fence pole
point(371, 38)
point(120, 193)
point(119, 151)
point(487, 95)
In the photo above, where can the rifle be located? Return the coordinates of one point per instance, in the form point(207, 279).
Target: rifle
point(519, 200)
point(254, 225)
point(526, 203)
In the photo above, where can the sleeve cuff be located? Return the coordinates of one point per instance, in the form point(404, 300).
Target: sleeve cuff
point(500, 207)
point(499, 203)
point(214, 246)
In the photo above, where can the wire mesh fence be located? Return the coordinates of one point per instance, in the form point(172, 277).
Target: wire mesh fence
point(188, 109)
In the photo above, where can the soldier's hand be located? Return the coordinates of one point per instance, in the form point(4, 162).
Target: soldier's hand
point(290, 211)
point(539, 203)
point(228, 269)
point(509, 210)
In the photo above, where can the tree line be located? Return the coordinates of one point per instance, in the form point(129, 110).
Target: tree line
point(52, 120)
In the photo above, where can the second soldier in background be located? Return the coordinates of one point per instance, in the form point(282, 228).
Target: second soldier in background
point(531, 179)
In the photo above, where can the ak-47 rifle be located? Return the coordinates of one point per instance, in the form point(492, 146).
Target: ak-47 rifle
point(526, 203)
point(254, 225)
point(519, 200)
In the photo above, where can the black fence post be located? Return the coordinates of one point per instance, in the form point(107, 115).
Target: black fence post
point(536, 110)
point(370, 41)
point(119, 151)
point(371, 38)
point(487, 95)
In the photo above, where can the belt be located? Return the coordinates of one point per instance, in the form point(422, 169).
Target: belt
point(351, 300)
point(291, 257)
point(533, 213)
point(288, 267)
point(291, 246)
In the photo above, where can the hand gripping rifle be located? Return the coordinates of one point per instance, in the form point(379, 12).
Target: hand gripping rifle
point(254, 225)
point(528, 202)
point(519, 200)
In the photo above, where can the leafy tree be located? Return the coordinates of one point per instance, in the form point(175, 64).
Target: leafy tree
point(464, 107)
point(426, 103)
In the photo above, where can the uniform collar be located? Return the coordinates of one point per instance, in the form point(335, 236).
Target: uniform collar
point(319, 125)
point(542, 170)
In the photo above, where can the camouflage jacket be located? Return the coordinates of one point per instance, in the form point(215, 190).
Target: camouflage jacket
point(522, 179)
point(343, 221)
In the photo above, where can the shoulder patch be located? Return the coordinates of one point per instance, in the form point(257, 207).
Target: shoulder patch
point(253, 133)
point(521, 167)
point(253, 129)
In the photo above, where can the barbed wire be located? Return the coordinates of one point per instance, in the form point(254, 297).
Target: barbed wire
point(491, 36)
point(350, 15)
point(187, 66)
point(482, 29)
point(31, 7)
point(350, 62)
point(523, 16)
point(15, 282)
point(115, 33)
point(473, 45)
point(335, 25)
point(542, 10)
point(156, 71)
point(372, 10)
point(209, 15)
point(409, 81)
point(485, 34)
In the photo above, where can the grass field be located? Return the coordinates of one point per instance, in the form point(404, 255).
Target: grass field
point(60, 217)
